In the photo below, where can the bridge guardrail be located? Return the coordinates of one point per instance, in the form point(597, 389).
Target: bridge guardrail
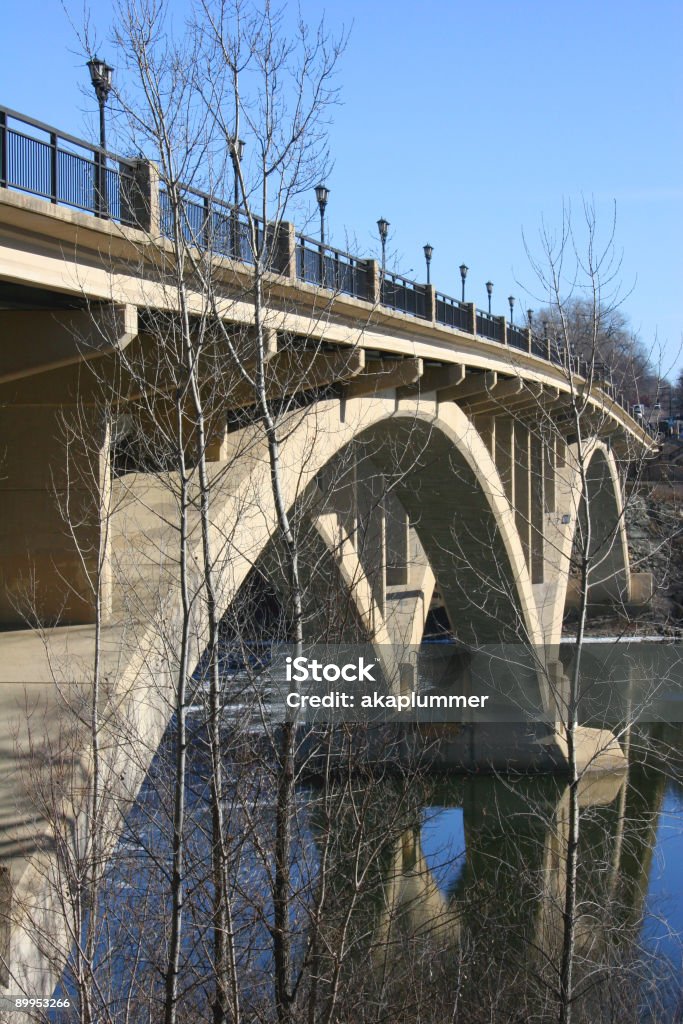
point(402, 294)
point(63, 169)
point(518, 337)
point(71, 172)
point(452, 313)
point(211, 223)
point(332, 268)
point(490, 326)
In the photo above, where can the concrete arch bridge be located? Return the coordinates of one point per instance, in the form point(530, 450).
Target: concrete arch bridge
point(423, 443)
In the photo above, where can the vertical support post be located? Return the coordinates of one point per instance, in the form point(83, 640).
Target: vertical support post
point(537, 507)
point(397, 542)
point(472, 308)
point(522, 472)
point(374, 290)
point(372, 529)
point(430, 302)
point(486, 426)
point(141, 206)
point(505, 455)
point(284, 254)
point(549, 474)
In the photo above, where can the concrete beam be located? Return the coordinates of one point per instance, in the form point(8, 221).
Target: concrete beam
point(40, 340)
point(495, 397)
point(474, 384)
point(390, 373)
point(290, 372)
point(433, 378)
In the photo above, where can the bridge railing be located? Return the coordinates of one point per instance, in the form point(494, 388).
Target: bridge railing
point(518, 337)
point(451, 313)
point(37, 159)
point(327, 267)
point(210, 224)
point(402, 294)
point(490, 326)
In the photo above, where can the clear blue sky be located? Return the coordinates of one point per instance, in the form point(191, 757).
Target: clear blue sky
point(465, 124)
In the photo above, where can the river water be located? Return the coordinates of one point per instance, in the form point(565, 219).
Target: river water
point(415, 895)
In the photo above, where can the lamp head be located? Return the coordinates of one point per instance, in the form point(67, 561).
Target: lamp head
point(322, 193)
point(101, 77)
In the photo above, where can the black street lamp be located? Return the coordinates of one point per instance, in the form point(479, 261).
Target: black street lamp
point(322, 193)
point(236, 155)
point(100, 76)
point(530, 317)
point(428, 250)
point(463, 274)
point(511, 302)
point(489, 292)
point(383, 228)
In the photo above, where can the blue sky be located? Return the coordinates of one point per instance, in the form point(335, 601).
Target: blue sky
point(467, 125)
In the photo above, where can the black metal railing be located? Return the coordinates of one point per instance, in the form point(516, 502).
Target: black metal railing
point(452, 313)
point(489, 326)
point(63, 169)
point(539, 347)
point(403, 295)
point(210, 224)
point(518, 337)
point(327, 267)
point(40, 160)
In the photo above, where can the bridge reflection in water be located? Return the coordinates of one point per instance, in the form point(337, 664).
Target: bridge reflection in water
point(420, 890)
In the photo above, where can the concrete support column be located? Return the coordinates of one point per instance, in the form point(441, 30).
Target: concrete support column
point(372, 529)
point(549, 473)
point(397, 542)
point(537, 507)
point(505, 454)
point(486, 427)
point(522, 497)
point(54, 491)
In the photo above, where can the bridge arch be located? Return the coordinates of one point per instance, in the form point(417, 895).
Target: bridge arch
point(442, 472)
point(602, 508)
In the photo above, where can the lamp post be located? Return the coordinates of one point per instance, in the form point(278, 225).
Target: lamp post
point(463, 275)
point(511, 303)
point(383, 228)
point(428, 250)
point(489, 292)
point(100, 76)
point(322, 193)
point(530, 317)
point(236, 155)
